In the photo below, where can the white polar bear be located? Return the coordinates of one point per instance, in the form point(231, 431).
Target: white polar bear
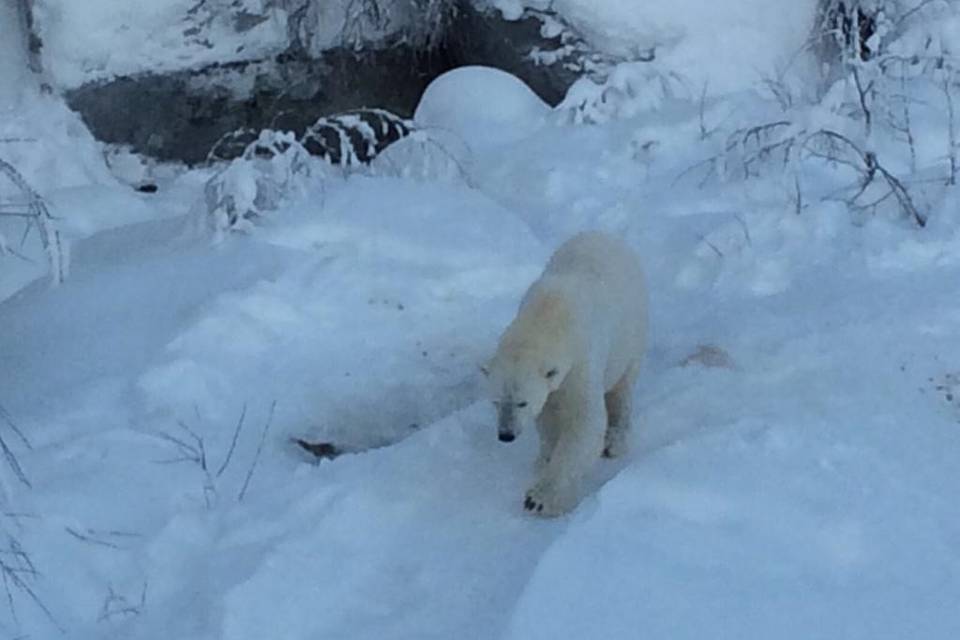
point(568, 362)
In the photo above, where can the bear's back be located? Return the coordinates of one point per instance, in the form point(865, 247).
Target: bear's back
point(595, 255)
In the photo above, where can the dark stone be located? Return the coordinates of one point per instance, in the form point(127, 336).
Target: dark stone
point(354, 137)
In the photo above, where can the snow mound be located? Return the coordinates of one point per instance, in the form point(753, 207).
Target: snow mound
point(764, 553)
point(483, 106)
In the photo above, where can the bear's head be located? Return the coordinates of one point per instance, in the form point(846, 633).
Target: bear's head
point(518, 384)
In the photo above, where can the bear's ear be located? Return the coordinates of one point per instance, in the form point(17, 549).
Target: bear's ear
point(551, 373)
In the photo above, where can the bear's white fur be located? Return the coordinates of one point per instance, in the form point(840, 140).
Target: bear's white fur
point(568, 363)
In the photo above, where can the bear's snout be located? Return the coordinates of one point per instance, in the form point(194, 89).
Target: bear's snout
point(506, 437)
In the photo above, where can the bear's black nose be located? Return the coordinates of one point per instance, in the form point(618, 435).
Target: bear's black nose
point(507, 437)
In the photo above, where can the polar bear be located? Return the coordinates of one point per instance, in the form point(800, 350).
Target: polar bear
point(568, 363)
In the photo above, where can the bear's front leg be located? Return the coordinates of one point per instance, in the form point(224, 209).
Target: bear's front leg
point(548, 423)
point(579, 426)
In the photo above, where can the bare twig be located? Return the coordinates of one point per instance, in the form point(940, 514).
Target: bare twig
point(90, 538)
point(746, 229)
point(905, 127)
point(194, 452)
point(798, 195)
point(869, 170)
point(712, 246)
point(119, 605)
point(864, 95)
point(256, 457)
point(704, 134)
point(951, 129)
point(6, 417)
point(13, 463)
point(907, 14)
point(233, 442)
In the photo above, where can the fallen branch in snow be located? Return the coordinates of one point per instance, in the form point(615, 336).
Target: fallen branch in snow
point(119, 605)
point(709, 356)
point(100, 538)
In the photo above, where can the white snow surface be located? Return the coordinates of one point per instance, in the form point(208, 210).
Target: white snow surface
point(793, 471)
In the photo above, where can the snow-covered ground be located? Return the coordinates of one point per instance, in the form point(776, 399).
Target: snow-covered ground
point(793, 474)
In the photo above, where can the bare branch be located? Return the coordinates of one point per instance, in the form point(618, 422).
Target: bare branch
point(256, 457)
point(233, 442)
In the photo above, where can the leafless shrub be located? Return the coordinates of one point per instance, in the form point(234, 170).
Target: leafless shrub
point(29, 207)
point(750, 150)
point(835, 147)
point(190, 447)
point(273, 169)
point(17, 570)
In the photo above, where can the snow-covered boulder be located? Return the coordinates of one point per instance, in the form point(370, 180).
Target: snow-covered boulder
point(482, 106)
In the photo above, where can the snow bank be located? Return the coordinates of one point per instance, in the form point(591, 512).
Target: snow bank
point(724, 45)
point(481, 106)
point(100, 39)
point(712, 538)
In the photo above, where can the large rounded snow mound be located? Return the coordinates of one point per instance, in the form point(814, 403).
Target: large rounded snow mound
point(481, 105)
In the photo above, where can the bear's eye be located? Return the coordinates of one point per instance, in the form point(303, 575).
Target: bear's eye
point(521, 405)
point(551, 373)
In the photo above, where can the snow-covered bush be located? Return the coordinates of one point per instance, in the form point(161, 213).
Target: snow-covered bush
point(272, 169)
point(425, 155)
point(630, 89)
point(881, 136)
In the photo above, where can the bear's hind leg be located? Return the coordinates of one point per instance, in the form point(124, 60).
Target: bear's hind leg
point(619, 403)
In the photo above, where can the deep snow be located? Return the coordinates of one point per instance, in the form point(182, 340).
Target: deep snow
point(793, 471)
